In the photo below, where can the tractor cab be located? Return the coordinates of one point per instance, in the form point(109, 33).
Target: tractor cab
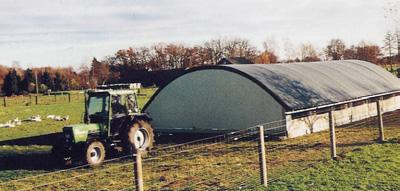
point(112, 121)
point(110, 109)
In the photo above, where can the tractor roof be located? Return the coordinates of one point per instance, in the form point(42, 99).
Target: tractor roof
point(112, 92)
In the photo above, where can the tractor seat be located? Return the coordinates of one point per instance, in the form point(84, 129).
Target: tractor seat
point(117, 121)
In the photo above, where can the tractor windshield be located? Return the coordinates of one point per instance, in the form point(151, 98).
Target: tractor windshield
point(98, 105)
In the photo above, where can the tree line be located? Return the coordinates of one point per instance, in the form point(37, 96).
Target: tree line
point(18, 81)
point(119, 66)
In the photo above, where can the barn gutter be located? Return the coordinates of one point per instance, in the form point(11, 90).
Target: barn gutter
point(340, 103)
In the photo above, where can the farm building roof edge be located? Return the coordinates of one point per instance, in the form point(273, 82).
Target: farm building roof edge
point(329, 82)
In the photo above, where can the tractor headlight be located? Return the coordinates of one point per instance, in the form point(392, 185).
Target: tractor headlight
point(67, 138)
point(68, 134)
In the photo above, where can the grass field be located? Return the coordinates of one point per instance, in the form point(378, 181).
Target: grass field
point(74, 110)
point(294, 164)
point(374, 167)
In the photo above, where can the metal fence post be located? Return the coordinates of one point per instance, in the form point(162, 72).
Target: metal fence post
point(262, 157)
point(380, 118)
point(332, 134)
point(138, 171)
point(55, 97)
point(36, 99)
point(69, 98)
point(5, 101)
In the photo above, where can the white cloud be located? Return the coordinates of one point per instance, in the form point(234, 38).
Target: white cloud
point(69, 32)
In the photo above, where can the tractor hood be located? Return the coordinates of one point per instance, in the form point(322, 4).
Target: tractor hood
point(79, 132)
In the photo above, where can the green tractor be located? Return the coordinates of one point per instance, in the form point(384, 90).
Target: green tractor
point(113, 123)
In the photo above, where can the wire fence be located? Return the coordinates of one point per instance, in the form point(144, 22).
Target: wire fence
point(60, 97)
point(39, 99)
point(229, 161)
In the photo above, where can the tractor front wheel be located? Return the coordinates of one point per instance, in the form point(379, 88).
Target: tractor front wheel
point(95, 153)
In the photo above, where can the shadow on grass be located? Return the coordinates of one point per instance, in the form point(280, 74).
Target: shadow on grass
point(33, 161)
point(48, 139)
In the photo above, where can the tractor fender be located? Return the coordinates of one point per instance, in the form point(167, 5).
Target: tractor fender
point(136, 118)
point(141, 117)
point(103, 141)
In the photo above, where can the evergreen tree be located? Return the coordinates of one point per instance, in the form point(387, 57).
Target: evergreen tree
point(48, 80)
point(28, 79)
point(58, 82)
point(7, 86)
point(11, 82)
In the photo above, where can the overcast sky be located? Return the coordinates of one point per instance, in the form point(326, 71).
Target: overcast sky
point(72, 32)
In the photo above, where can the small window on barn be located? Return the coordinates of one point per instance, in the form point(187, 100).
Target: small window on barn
point(357, 103)
point(342, 106)
point(387, 96)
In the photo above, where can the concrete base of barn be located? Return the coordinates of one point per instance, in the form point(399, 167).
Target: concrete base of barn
point(315, 121)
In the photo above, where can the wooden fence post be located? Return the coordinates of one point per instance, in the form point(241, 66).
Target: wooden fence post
point(380, 118)
point(36, 99)
point(69, 98)
point(262, 157)
point(138, 171)
point(5, 101)
point(332, 134)
point(55, 97)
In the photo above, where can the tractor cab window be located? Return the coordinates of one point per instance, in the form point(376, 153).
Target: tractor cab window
point(98, 105)
point(119, 113)
point(117, 105)
point(132, 104)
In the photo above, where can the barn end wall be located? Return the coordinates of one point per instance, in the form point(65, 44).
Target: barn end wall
point(211, 101)
point(319, 122)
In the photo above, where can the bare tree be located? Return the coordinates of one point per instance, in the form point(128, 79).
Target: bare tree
point(389, 47)
point(367, 52)
point(175, 55)
point(230, 47)
point(397, 41)
point(270, 45)
point(290, 51)
point(215, 49)
point(335, 49)
point(84, 77)
point(158, 56)
point(392, 15)
point(308, 53)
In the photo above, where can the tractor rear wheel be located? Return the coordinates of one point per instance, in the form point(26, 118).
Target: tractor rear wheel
point(139, 137)
point(95, 153)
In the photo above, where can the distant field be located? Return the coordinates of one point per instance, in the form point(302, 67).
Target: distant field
point(74, 110)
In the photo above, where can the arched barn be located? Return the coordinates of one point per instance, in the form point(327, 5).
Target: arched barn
point(294, 97)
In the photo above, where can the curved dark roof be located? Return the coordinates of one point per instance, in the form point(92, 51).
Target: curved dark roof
point(305, 85)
